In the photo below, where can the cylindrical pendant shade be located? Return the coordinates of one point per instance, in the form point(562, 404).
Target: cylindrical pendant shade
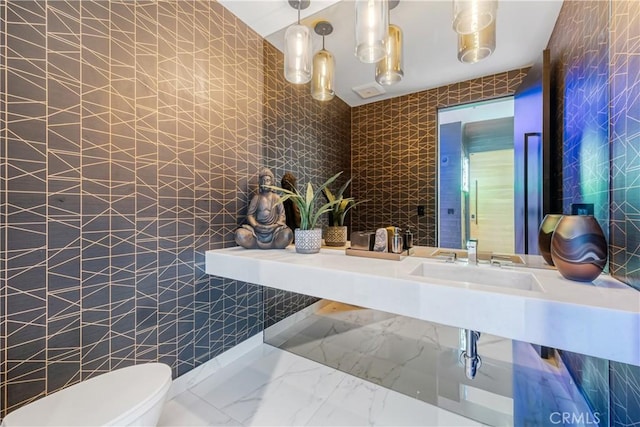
point(471, 16)
point(389, 69)
point(372, 23)
point(475, 47)
point(323, 76)
point(297, 54)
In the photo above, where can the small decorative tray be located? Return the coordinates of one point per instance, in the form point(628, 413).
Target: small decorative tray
point(379, 255)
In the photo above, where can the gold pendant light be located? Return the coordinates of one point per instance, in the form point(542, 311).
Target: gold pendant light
point(372, 23)
point(322, 82)
point(297, 48)
point(389, 69)
point(477, 46)
point(472, 16)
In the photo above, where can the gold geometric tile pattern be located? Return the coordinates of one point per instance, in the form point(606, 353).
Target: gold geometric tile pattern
point(393, 153)
point(624, 89)
point(596, 84)
point(310, 139)
point(131, 136)
point(3, 204)
point(580, 123)
point(130, 139)
point(625, 143)
point(595, 81)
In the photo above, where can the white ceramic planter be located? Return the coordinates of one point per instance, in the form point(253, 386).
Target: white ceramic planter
point(308, 241)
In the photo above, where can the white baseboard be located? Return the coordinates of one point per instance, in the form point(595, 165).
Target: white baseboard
point(272, 332)
point(194, 376)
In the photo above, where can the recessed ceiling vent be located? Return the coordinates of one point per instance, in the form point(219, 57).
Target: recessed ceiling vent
point(368, 90)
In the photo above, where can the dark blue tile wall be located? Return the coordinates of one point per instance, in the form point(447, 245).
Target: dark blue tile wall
point(625, 395)
point(311, 140)
point(25, 190)
point(625, 141)
point(64, 245)
point(593, 376)
point(595, 77)
point(3, 205)
point(107, 164)
point(583, 110)
point(131, 145)
point(625, 186)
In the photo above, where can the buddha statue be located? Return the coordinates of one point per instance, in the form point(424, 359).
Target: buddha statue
point(266, 226)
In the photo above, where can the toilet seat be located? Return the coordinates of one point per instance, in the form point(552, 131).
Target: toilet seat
point(114, 398)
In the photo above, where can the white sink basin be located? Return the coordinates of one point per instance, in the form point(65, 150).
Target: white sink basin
point(479, 275)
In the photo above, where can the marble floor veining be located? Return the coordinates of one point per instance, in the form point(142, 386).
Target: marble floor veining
point(272, 387)
point(421, 360)
point(338, 365)
point(416, 358)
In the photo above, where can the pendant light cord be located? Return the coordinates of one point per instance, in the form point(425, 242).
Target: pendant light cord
point(299, 5)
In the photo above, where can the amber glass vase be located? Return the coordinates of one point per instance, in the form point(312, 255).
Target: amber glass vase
point(578, 247)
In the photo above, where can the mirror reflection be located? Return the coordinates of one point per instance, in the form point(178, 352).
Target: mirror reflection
point(476, 176)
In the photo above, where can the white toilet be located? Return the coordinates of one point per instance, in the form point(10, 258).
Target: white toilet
point(131, 396)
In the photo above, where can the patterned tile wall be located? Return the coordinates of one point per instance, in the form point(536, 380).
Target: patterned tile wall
point(625, 186)
point(577, 96)
point(580, 73)
point(625, 395)
point(3, 204)
point(592, 375)
point(625, 140)
point(131, 137)
point(116, 146)
point(393, 157)
point(594, 49)
point(308, 138)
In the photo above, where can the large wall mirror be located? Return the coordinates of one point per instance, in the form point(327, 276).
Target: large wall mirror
point(503, 165)
point(476, 181)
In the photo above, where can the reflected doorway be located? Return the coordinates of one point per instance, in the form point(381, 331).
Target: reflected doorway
point(476, 176)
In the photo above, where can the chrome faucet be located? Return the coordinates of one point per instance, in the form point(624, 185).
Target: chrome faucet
point(472, 252)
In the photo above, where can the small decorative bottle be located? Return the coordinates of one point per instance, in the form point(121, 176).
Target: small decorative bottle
point(396, 242)
point(408, 239)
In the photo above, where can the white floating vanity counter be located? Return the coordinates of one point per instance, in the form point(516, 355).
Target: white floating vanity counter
point(539, 306)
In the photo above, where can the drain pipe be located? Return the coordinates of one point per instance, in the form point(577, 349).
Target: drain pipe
point(472, 361)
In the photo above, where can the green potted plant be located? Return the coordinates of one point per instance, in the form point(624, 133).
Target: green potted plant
point(336, 233)
point(308, 238)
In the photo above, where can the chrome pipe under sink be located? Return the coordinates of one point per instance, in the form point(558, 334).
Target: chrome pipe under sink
point(469, 355)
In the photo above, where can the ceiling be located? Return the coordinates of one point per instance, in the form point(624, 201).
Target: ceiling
point(430, 45)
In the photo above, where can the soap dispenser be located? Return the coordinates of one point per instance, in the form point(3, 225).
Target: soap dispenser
point(396, 242)
point(408, 239)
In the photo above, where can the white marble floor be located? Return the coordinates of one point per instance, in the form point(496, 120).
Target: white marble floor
point(272, 387)
point(416, 358)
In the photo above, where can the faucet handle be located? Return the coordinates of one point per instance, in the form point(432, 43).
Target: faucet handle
point(500, 260)
point(448, 256)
